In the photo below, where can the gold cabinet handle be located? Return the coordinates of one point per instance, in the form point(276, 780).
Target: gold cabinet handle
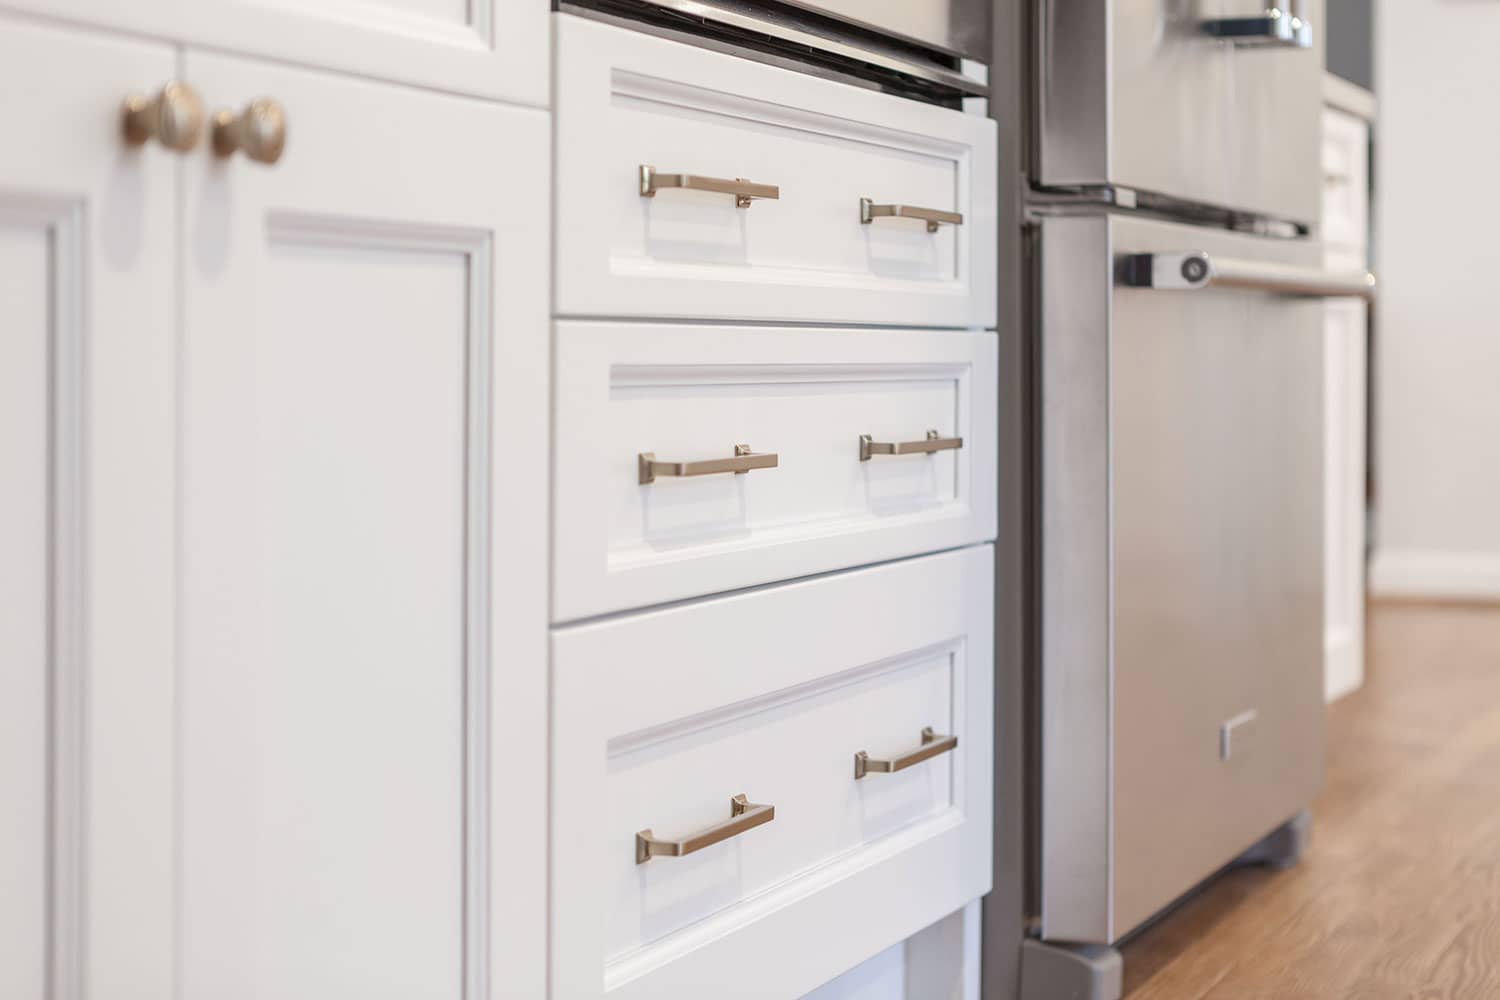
point(743, 815)
point(174, 117)
point(259, 131)
point(934, 217)
point(931, 443)
point(743, 461)
point(932, 745)
point(744, 191)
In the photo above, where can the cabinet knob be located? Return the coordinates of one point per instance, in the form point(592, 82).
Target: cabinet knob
point(174, 117)
point(259, 131)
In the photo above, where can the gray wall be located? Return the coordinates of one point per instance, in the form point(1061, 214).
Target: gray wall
point(1349, 40)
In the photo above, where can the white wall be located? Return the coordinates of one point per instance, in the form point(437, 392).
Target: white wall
point(1437, 252)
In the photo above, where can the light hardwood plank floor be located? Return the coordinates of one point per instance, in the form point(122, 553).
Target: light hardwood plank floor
point(1398, 895)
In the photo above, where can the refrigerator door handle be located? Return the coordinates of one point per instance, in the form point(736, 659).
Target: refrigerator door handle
point(1193, 269)
point(1276, 28)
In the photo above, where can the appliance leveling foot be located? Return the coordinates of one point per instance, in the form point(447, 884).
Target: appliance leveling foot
point(1070, 971)
point(1282, 847)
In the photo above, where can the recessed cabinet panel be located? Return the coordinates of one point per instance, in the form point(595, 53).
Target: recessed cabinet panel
point(806, 397)
point(324, 646)
point(661, 719)
point(798, 745)
point(804, 152)
point(363, 599)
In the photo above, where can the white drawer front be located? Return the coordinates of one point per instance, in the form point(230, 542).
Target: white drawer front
point(694, 393)
point(626, 99)
point(661, 718)
point(1346, 180)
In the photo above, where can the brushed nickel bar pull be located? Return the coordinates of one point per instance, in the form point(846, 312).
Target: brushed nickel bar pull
point(929, 444)
point(743, 461)
point(744, 191)
point(932, 745)
point(743, 815)
point(934, 217)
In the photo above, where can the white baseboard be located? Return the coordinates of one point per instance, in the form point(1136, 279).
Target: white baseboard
point(1429, 573)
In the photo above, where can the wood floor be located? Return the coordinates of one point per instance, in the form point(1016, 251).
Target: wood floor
point(1398, 895)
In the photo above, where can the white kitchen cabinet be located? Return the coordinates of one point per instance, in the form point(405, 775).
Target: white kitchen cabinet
point(274, 448)
point(661, 719)
point(489, 48)
point(86, 578)
point(274, 712)
point(362, 481)
point(1347, 118)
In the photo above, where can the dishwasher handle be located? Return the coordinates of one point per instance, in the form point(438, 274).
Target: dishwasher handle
point(1192, 269)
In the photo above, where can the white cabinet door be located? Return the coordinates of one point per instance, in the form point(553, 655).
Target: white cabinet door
point(491, 48)
point(1344, 491)
point(363, 480)
point(86, 671)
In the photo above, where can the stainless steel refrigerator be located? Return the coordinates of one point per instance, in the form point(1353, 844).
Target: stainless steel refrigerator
point(1175, 313)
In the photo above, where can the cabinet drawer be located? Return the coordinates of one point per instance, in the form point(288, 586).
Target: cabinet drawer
point(660, 719)
point(1346, 180)
point(692, 394)
point(625, 100)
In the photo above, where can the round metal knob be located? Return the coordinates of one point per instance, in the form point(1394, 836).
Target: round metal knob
point(259, 131)
point(174, 117)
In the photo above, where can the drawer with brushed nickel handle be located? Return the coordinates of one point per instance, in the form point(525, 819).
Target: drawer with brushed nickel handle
point(760, 698)
point(695, 460)
point(698, 185)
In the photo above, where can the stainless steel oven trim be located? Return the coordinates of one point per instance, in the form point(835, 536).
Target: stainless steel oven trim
point(786, 33)
point(1076, 580)
point(968, 32)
